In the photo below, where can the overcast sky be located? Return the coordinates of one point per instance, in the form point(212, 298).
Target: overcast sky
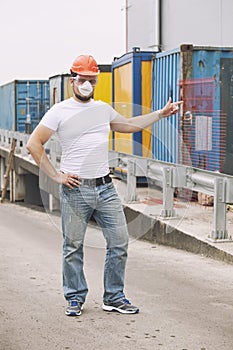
point(41, 38)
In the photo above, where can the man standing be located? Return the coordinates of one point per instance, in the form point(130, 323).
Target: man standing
point(86, 189)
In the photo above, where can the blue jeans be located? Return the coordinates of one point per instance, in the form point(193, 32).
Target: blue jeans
point(77, 207)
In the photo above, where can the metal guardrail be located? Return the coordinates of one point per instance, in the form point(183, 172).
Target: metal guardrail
point(174, 176)
point(168, 176)
point(6, 137)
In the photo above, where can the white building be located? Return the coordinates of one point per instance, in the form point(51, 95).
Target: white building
point(165, 24)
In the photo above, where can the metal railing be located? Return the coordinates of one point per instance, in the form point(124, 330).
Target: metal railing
point(6, 137)
point(168, 176)
point(174, 176)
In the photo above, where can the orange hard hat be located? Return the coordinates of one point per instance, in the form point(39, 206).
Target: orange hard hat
point(85, 65)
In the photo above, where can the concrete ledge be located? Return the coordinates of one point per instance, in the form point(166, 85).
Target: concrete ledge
point(159, 232)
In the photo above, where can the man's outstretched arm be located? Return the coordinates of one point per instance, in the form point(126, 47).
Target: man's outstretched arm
point(128, 125)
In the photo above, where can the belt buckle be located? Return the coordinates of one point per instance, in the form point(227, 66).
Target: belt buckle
point(89, 182)
point(92, 182)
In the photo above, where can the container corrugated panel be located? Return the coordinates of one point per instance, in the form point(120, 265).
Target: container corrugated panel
point(23, 103)
point(32, 101)
point(200, 136)
point(165, 140)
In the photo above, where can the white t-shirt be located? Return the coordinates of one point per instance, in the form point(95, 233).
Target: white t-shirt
point(83, 131)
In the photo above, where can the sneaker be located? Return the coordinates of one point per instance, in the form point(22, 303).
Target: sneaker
point(123, 306)
point(74, 308)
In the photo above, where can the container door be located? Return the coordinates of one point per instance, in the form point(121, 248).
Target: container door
point(32, 99)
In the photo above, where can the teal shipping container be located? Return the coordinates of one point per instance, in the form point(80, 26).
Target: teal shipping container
point(200, 135)
point(23, 104)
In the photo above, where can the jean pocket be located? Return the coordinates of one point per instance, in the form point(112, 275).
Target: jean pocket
point(110, 185)
point(68, 191)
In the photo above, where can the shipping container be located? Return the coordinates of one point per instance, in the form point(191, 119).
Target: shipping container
point(59, 88)
point(201, 134)
point(22, 104)
point(132, 74)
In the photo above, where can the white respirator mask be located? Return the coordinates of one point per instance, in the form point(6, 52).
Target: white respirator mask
point(86, 88)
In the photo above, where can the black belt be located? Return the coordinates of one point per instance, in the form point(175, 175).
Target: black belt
point(96, 182)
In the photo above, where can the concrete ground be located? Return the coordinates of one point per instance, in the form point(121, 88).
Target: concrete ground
point(185, 299)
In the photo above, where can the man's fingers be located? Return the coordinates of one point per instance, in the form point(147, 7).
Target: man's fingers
point(70, 180)
point(177, 103)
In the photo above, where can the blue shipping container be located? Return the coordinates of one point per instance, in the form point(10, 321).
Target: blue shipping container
point(201, 135)
point(23, 104)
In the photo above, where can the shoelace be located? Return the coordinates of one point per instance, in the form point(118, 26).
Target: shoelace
point(74, 303)
point(126, 301)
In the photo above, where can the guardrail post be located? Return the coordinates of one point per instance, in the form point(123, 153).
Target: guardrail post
point(2, 172)
point(219, 232)
point(168, 194)
point(54, 203)
point(1, 136)
point(18, 138)
point(24, 140)
point(131, 182)
point(5, 139)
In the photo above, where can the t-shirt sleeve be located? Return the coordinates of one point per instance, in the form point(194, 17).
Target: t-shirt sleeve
point(113, 113)
point(51, 118)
